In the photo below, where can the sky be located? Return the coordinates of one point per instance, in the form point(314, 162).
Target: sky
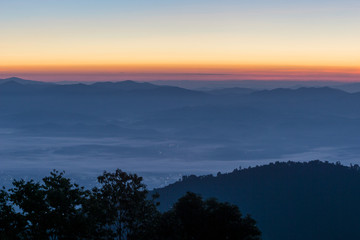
point(96, 40)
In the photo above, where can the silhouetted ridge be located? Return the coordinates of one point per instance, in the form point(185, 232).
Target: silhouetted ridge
point(71, 88)
point(22, 81)
point(125, 85)
point(11, 84)
point(314, 200)
point(14, 79)
point(232, 91)
point(15, 87)
point(124, 88)
point(176, 91)
point(303, 91)
point(349, 87)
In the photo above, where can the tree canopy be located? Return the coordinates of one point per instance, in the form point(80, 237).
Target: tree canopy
point(192, 218)
point(118, 208)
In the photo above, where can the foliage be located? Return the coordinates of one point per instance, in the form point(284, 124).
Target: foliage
point(192, 218)
point(122, 205)
point(119, 208)
point(48, 210)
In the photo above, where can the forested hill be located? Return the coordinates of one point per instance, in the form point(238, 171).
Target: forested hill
point(292, 200)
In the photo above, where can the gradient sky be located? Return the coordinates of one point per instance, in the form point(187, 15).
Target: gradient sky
point(172, 39)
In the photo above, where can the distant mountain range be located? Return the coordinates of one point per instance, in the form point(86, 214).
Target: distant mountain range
point(216, 87)
point(223, 124)
point(297, 201)
point(350, 87)
point(233, 91)
point(252, 84)
point(17, 85)
point(22, 81)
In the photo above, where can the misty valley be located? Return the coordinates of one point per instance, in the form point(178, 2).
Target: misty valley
point(163, 132)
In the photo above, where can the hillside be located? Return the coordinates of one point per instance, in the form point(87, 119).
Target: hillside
point(314, 200)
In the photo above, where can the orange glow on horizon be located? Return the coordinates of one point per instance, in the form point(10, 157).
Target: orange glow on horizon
point(146, 72)
point(204, 40)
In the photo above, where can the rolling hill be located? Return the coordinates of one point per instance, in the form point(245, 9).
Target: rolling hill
point(290, 200)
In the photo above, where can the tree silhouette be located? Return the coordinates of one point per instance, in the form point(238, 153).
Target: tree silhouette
point(52, 209)
point(12, 224)
point(191, 218)
point(123, 209)
point(119, 208)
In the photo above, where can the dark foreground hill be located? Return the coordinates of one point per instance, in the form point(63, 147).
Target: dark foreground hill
point(314, 200)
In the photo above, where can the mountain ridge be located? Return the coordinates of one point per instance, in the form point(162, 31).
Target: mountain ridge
point(290, 200)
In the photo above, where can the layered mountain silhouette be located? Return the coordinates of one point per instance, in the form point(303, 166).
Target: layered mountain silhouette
point(350, 87)
point(290, 200)
point(242, 123)
point(234, 91)
point(17, 85)
point(22, 81)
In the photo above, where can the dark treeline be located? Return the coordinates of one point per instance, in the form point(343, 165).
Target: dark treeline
point(289, 200)
point(119, 208)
